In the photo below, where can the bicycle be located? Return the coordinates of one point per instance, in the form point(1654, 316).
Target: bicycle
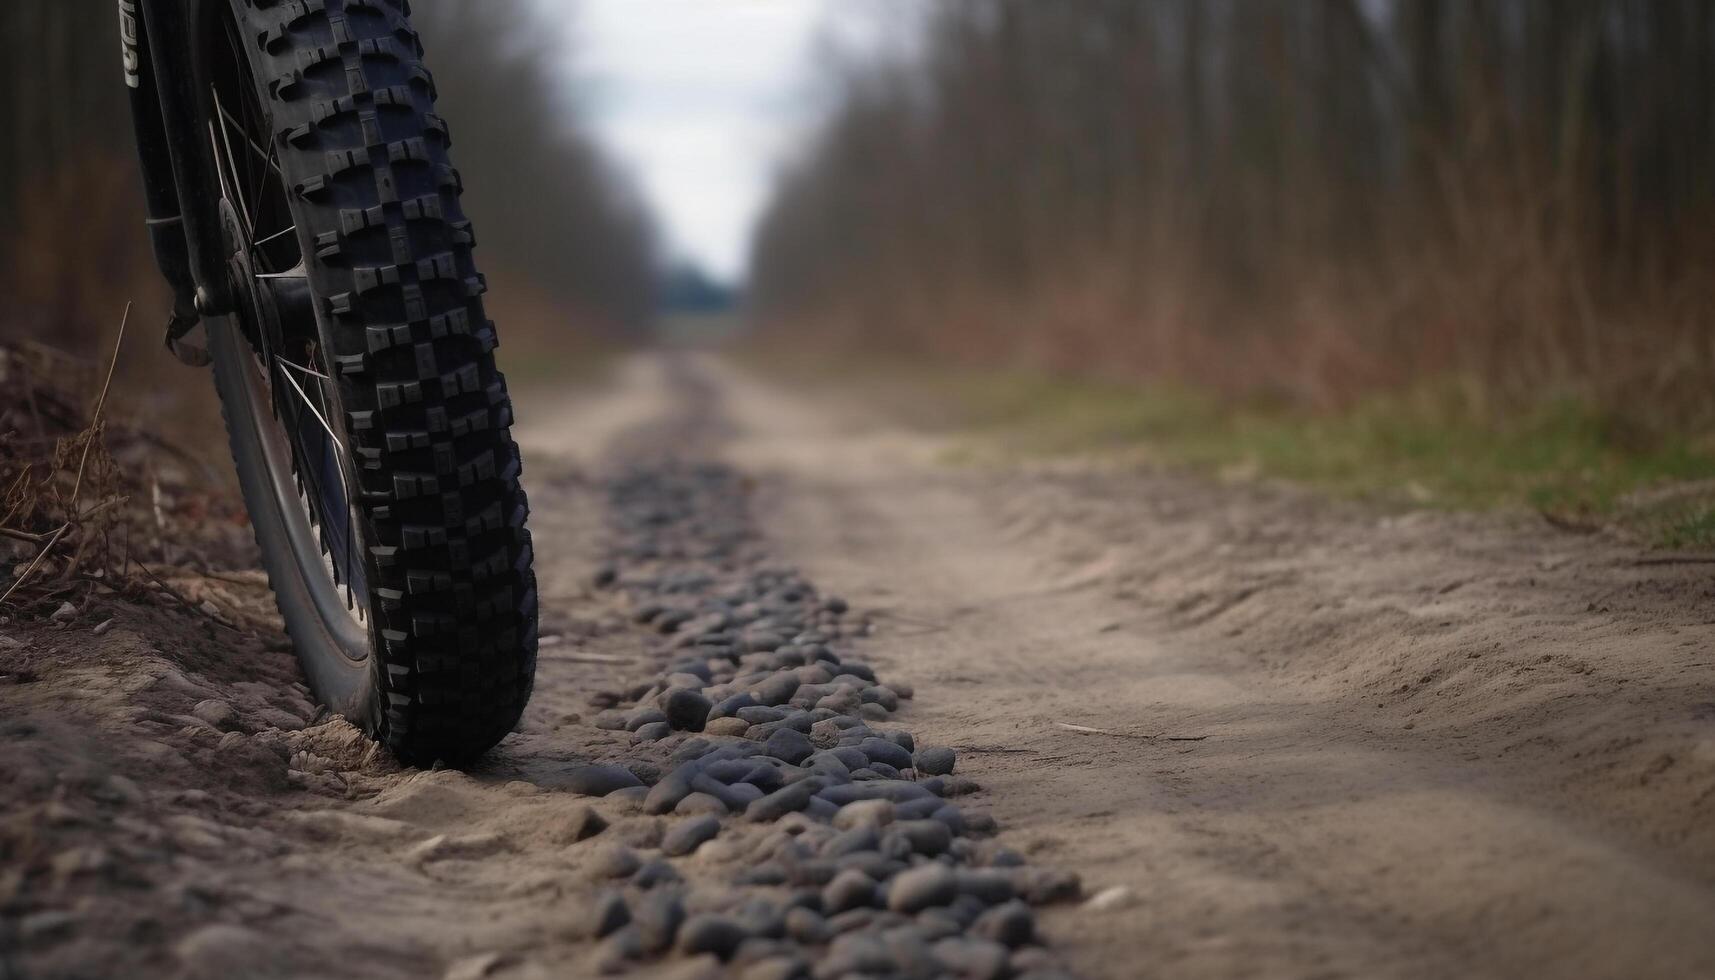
point(302, 208)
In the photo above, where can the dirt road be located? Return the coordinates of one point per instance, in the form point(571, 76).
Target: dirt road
point(1278, 736)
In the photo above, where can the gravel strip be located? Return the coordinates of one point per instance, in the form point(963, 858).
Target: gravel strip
point(798, 833)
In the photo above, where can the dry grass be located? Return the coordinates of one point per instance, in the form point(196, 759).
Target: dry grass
point(90, 508)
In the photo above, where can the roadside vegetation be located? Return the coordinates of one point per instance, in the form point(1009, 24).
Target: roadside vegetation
point(1454, 251)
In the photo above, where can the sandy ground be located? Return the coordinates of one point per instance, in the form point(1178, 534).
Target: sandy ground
point(1311, 739)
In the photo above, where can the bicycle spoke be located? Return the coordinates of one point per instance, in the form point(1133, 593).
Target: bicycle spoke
point(309, 468)
point(219, 166)
point(295, 272)
point(279, 234)
point(267, 158)
point(312, 372)
point(301, 394)
point(232, 161)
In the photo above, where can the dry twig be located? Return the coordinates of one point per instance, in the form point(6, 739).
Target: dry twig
point(72, 517)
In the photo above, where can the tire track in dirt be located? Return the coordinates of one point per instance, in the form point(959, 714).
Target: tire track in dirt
point(1435, 744)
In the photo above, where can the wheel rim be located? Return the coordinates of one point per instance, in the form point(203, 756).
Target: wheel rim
point(294, 397)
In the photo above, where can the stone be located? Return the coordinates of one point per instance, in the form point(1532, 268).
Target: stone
point(686, 710)
point(849, 890)
point(777, 689)
point(926, 837)
point(806, 926)
point(922, 887)
point(614, 861)
point(934, 761)
point(638, 717)
point(782, 801)
point(700, 803)
point(600, 780)
point(716, 934)
point(886, 752)
point(862, 838)
point(583, 824)
point(779, 967)
point(971, 959)
point(789, 746)
point(673, 787)
point(1011, 924)
point(856, 953)
point(1112, 897)
point(990, 885)
point(1045, 886)
point(658, 916)
point(607, 914)
point(688, 835)
point(217, 713)
point(730, 727)
point(654, 874)
point(652, 732)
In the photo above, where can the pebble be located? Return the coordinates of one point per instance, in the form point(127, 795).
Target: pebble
point(222, 950)
point(806, 926)
point(863, 848)
point(782, 801)
point(607, 914)
point(849, 890)
point(653, 732)
point(476, 966)
point(700, 803)
point(584, 823)
point(784, 967)
point(655, 873)
point(640, 832)
point(690, 834)
point(789, 746)
point(600, 780)
point(926, 837)
point(658, 916)
point(619, 950)
point(1045, 886)
point(854, 954)
point(885, 752)
point(707, 933)
point(734, 727)
point(991, 886)
point(934, 761)
point(1112, 897)
point(615, 861)
point(217, 713)
point(922, 887)
point(864, 813)
point(1011, 924)
point(972, 959)
point(673, 787)
point(686, 710)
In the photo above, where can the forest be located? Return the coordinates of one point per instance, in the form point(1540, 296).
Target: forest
point(1275, 201)
point(71, 199)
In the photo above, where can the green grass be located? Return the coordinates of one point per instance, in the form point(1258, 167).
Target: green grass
point(1565, 459)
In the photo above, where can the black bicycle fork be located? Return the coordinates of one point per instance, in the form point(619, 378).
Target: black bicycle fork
point(158, 39)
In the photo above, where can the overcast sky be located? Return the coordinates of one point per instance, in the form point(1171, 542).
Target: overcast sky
point(701, 98)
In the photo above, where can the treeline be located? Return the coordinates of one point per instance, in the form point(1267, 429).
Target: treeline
point(565, 242)
point(1308, 199)
point(558, 225)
